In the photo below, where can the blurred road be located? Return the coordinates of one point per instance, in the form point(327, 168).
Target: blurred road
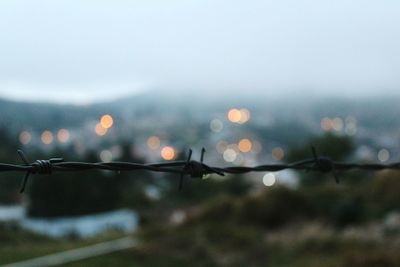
point(76, 254)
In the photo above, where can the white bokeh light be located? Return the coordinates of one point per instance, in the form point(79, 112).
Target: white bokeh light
point(106, 156)
point(230, 155)
point(269, 179)
point(216, 125)
point(383, 155)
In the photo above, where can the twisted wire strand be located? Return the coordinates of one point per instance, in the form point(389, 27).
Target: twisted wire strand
point(195, 169)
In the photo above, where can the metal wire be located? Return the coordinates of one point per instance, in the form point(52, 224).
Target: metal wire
point(192, 168)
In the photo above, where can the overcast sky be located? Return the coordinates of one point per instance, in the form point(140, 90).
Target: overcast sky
point(82, 51)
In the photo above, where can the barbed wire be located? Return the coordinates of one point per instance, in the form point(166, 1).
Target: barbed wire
point(189, 167)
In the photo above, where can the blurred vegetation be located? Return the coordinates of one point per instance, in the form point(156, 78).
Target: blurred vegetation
point(283, 227)
point(319, 223)
point(226, 221)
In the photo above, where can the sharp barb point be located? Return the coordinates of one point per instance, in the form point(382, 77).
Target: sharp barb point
point(22, 156)
point(314, 152)
point(24, 182)
point(203, 150)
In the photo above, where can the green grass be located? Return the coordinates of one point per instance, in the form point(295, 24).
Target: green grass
point(276, 228)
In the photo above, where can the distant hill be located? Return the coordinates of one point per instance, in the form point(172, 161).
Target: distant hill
point(38, 116)
point(377, 113)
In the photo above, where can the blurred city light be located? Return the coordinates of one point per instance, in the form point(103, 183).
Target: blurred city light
point(25, 137)
point(269, 179)
point(106, 121)
point(230, 155)
point(234, 115)
point(168, 153)
point(100, 130)
point(238, 115)
point(153, 142)
point(351, 125)
point(278, 153)
point(216, 125)
point(337, 124)
point(106, 156)
point(245, 145)
point(326, 124)
point(47, 137)
point(63, 135)
point(383, 155)
point(244, 115)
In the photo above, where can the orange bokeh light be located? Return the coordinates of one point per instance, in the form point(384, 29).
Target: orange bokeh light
point(153, 142)
point(168, 153)
point(245, 145)
point(234, 115)
point(47, 137)
point(25, 137)
point(106, 121)
point(100, 130)
point(63, 135)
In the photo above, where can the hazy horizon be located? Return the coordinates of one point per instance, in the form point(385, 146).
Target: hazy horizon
point(83, 52)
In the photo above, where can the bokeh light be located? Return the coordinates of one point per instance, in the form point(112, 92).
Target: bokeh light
point(153, 142)
point(383, 155)
point(326, 124)
point(106, 121)
point(47, 137)
point(230, 155)
point(245, 145)
point(269, 179)
point(100, 130)
point(351, 126)
point(234, 115)
point(106, 156)
point(168, 153)
point(278, 153)
point(63, 135)
point(216, 125)
point(337, 124)
point(25, 137)
point(244, 115)
point(238, 115)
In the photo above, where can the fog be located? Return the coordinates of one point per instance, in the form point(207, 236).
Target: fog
point(84, 51)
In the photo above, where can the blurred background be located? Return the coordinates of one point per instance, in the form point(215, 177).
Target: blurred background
point(253, 82)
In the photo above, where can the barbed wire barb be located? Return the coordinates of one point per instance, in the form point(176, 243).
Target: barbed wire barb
point(324, 164)
point(190, 167)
